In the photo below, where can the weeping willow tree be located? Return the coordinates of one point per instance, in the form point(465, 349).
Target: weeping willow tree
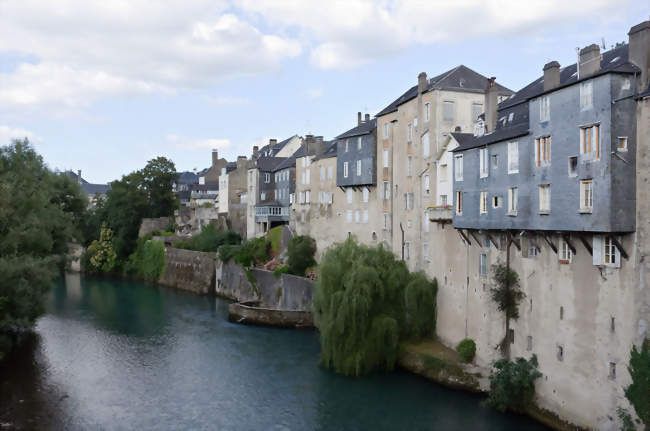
point(364, 303)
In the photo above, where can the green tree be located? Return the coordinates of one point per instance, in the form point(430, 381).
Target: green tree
point(40, 213)
point(638, 392)
point(512, 385)
point(300, 253)
point(359, 308)
point(101, 256)
point(507, 294)
point(157, 177)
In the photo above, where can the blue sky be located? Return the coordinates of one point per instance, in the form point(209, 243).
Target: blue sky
point(105, 86)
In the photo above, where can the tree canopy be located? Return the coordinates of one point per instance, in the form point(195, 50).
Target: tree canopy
point(40, 212)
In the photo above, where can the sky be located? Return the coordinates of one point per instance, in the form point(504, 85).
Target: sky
point(105, 86)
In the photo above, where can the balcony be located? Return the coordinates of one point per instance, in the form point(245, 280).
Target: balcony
point(271, 213)
point(441, 213)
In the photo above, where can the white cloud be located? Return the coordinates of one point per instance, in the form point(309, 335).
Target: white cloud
point(7, 134)
point(314, 93)
point(185, 143)
point(86, 51)
point(348, 33)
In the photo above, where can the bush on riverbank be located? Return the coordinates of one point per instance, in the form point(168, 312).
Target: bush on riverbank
point(100, 255)
point(365, 302)
point(512, 384)
point(209, 240)
point(148, 260)
point(638, 392)
point(300, 253)
point(466, 350)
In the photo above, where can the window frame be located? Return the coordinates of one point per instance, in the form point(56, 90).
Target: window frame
point(458, 163)
point(513, 157)
point(345, 169)
point(451, 108)
point(544, 109)
point(544, 198)
point(459, 202)
point(483, 202)
point(543, 151)
point(586, 97)
point(513, 200)
point(587, 195)
point(590, 148)
point(484, 162)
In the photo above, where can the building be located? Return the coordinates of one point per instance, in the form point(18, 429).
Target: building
point(94, 192)
point(211, 174)
point(412, 135)
point(548, 183)
point(232, 186)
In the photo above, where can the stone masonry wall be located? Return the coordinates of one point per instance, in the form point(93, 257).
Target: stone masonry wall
point(149, 225)
point(189, 270)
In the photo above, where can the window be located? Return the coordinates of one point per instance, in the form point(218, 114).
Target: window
point(443, 173)
point(543, 151)
point(529, 343)
point(459, 202)
point(366, 194)
point(427, 107)
point(621, 143)
point(385, 157)
point(533, 251)
point(482, 266)
point(565, 252)
point(347, 145)
point(301, 197)
point(345, 169)
point(513, 157)
point(350, 195)
point(483, 202)
point(426, 185)
point(409, 166)
point(292, 198)
point(409, 134)
point(386, 190)
point(512, 201)
point(448, 111)
point(359, 143)
point(263, 196)
point(267, 178)
point(495, 161)
point(560, 353)
point(484, 162)
point(610, 252)
point(357, 217)
point(545, 198)
point(573, 166)
point(415, 121)
point(586, 95)
point(386, 221)
point(443, 200)
point(330, 172)
point(407, 250)
point(612, 324)
point(590, 141)
point(477, 110)
point(348, 216)
point(408, 201)
point(358, 168)
point(425, 251)
point(586, 196)
point(425, 145)
point(307, 196)
point(544, 109)
point(458, 167)
point(304, 177)
point(561, 313)
point(322, 173)
point(496, 201)
point(612, 370)
point(385, 130)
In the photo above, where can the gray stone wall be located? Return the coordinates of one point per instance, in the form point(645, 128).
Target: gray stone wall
point(189, 270)
point(149, 225)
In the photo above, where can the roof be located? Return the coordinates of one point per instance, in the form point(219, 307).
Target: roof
point(93, 189)
point(465, 143)
point(212, 185)
point(187, 177)
point(75, 177)
point(329, 152)
point(644, 94)
point(615, 60)
point(364, 128)
point(460, 78)
point(275, 148)
point(268, 164)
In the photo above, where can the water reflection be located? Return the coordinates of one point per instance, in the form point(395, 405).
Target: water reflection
point(124, 355)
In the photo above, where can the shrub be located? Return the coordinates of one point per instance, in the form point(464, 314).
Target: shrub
point(209, 239)
point(300, 254)
point(420, 306)
point(638, 392)
point(280, 270)
point(100, 255)
point(507, 294)
point(275, 236)
point(148, 260)
point(253, 252)
point(466, 350)
point(512, 385)
point(227, 252)
point(359, 308)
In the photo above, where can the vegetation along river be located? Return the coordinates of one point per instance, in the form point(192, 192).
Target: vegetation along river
point(113, 354)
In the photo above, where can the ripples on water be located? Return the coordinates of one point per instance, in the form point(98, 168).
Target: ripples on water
point(124, 355)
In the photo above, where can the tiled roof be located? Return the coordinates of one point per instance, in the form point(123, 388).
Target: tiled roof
point(497, 136)
point(460, 78)
point(187, 177)
point(329, 152)
point(364, 128)
point(275, 148)
point(268, 164)
point(93, 189)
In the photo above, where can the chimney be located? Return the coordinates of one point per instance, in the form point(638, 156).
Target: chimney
point(215, 157)
point(422, 82)
point(272, 142)
point(367, 117)
point(551, 75)
point(640, 51)
point(589, 61)
point(256, 150)
point(358, 118)
point(491, 102)
point(79, 176)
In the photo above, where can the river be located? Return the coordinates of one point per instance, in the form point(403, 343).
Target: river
point(126, 355)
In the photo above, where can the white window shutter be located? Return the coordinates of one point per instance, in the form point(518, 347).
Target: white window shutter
point(597, 248)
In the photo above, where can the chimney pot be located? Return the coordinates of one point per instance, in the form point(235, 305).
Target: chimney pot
point(256, 150)
point(491, 102)
point(422, 82)
point(367, 117)
point(79, 176)
point(551, 75)
point(273, 142)
point(639, 51)
point(215, 157)
point(589, 61)
point(358, 118)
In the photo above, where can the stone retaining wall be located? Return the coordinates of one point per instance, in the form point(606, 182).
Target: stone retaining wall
point(241, 313)
point(149, 225)
point(189, 270)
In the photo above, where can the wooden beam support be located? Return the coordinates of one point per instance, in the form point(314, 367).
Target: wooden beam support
point(460, 231)
point(566, 239)
point(516, 242)
point(549, 242)
point(491, 238)
point(584, 242)
point(471, 232)
point(619, 246)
